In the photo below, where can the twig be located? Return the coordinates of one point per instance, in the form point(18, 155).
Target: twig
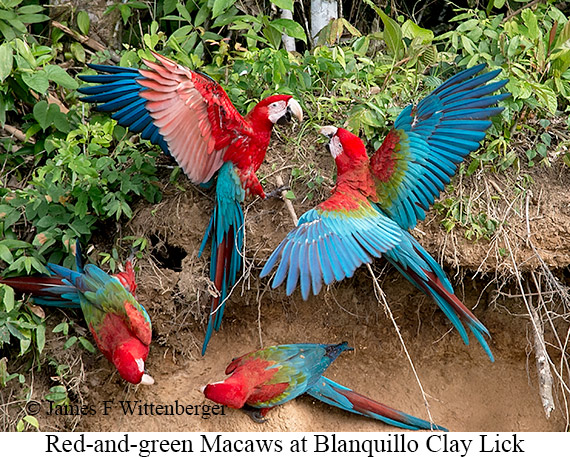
point(90, 42)
point(51, 99)
point(382, 299)
point(515, 13)
point(18, 134)
point(288, 204)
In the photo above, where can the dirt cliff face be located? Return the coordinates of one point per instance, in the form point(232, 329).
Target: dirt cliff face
point(465, 391)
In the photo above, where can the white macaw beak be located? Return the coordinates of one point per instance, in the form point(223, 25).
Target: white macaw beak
point(147, 380)
point(328, 131)
point(334, 146)
point(295, 109)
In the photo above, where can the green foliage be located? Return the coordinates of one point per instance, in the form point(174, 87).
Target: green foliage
point(460, 212)
point(29, 420)
point(81, 184)
point(14, 18)
point(19, 324)
point(533, 47)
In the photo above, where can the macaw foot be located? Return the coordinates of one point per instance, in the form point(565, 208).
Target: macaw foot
point(255, 414)
point(276, 193)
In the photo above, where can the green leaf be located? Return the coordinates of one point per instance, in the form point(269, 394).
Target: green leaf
point(16, 244)
point(392, 31)
point(83, 22)
point(186, 15)
point(57, 394)
point(70, 342)
point(3, 371)
point(8, 297)
point(25, 345)
point(283, 4)
point(289, 27)
point(169, 6)
point(61, 327)
point(59, 76)
point(5, 254)
point(24, 50)
point(32, 18)
point(547, 96)
point(87, 345)
point(392, 34)
point(531, 23)
point(7, 31)
point(7, 15)
point(290, 195)
point(14, 331)
point(411, 30)
point(78, 51)
point(6, 61)
point(220, 6)
point(32, 421)
point(37, 81)
point(41, 113)
point(564, 35)
point(468, 44)
point(29, 9)
point(41, 337)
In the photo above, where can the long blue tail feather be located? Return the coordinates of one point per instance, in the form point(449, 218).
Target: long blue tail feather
point(226, 230)
point(346, 399)
point(421, 269)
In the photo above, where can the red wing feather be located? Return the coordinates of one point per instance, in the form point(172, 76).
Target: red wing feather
point(194, 115)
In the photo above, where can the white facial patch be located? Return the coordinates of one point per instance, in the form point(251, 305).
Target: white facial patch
point(140, 364)
point(277, 110)
point(335, 146)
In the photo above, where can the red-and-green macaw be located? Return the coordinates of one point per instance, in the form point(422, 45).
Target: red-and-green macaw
point(191, 118)
point(377, 200)
point(275, 375)
point(119, 324)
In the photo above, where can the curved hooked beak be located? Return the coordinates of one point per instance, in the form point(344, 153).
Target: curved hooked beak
point(328, 130)
point(147, 379)
point(293, 109)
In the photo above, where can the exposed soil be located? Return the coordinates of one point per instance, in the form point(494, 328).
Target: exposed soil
point(466, 392)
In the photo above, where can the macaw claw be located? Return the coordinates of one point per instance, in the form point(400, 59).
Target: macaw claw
point(254, 414)
point(276, 193)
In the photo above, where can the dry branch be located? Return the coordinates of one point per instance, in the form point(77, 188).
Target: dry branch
point(90, 42)
point(545, 379)
point(18, 134)
point(288, 203)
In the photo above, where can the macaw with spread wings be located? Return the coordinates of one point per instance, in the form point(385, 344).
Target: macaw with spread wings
point(377, 200)
point(190, 116)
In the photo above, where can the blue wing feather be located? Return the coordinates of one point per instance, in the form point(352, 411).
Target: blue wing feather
point(329, 245)
point(435, 136)
point(119, 91)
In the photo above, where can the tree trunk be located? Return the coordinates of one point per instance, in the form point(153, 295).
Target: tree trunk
point(322, 12)
point(288, 42)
